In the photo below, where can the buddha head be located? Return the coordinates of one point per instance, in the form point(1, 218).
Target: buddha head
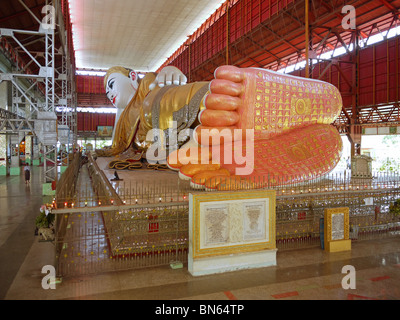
point(121, 85)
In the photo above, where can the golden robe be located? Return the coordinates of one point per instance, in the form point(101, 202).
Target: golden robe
point(157, 109)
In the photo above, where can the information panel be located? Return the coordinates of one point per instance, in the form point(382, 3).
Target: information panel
point(336, 229)
point(226, 222)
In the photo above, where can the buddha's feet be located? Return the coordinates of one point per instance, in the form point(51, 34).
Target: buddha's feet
point(266, 101)
point(295, 156)
point(282, 123)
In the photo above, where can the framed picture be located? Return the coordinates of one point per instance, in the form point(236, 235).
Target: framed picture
point(104, 131)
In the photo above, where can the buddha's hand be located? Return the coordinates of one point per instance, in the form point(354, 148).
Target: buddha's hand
point(167, 76)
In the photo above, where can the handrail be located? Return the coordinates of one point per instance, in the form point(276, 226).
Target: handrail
point(65, 187)
point(106, 185)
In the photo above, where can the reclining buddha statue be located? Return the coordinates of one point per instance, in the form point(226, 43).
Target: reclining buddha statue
point(281, 123)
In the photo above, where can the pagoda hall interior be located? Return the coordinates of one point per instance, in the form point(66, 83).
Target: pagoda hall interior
point(183, 152)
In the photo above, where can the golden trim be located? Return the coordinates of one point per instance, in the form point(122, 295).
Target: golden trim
point(198, 198)
point(328, 224)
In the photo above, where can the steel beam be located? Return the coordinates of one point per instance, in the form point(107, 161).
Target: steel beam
point(37, 109)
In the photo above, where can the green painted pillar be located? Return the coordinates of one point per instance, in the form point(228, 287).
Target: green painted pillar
point(47, 189)
point(15, 171)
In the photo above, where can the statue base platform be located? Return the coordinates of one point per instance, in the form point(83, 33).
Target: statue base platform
point(232, 262)
point(143, 184)
point(338, 246)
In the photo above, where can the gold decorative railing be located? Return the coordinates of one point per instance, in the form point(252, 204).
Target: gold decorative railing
point(104, 228)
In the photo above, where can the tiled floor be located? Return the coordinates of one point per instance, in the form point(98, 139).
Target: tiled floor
point(301, 274)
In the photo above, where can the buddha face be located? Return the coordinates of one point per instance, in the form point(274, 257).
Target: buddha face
point(120, 89)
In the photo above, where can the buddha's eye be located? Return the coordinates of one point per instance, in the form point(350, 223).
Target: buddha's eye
point(111, 83)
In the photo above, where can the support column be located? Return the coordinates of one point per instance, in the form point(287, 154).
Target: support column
point(355, 139)
point(8, 154)
point(28, 150)
point(227, 33)
point(307, 38)
point(3, 154)
point(14, 141)
point(355, 130)
point(3, 135)
point(46, 130)
point(35, 151)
